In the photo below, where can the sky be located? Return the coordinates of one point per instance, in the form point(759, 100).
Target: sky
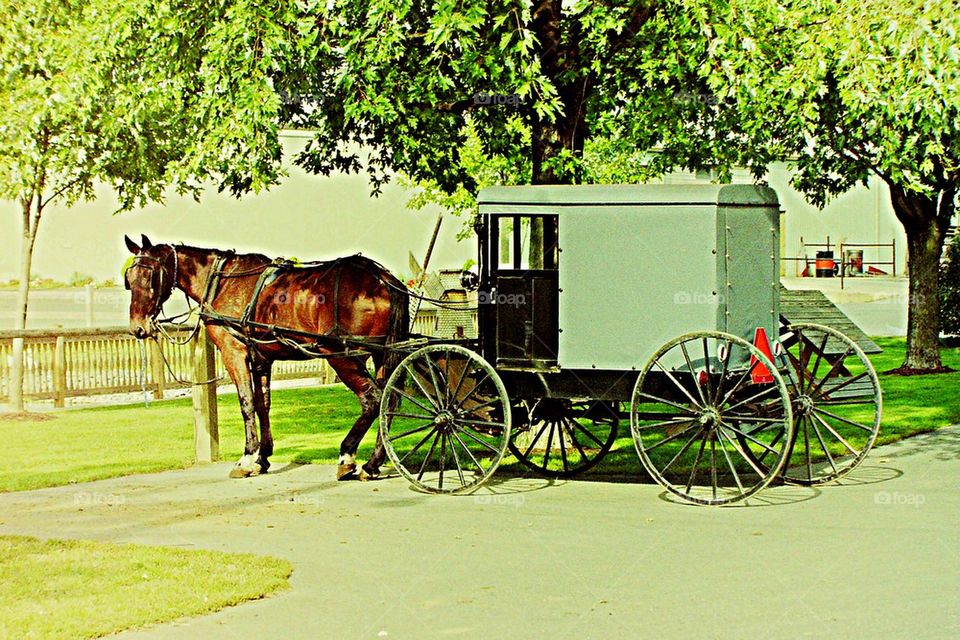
point(306, 216)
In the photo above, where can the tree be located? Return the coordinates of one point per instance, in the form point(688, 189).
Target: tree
point(845, 90)
point(67, 101)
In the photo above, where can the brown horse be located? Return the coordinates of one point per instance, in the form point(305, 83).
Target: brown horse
point(351, 302)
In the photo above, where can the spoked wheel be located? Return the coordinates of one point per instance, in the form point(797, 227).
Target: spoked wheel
point(836, 402)
point(445, 419)
point(563, 438)
point(695, 422)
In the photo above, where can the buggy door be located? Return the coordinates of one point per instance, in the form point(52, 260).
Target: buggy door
point(520, 301)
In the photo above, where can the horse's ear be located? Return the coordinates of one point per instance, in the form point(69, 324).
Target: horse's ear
point(146, 241)
point(131, 245)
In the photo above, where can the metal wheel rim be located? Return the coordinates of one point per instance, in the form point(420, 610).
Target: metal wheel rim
point(458, 436)
point(817, 433)
point(724, 450)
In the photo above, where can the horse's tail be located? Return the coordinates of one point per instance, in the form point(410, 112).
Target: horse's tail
point(399, 326)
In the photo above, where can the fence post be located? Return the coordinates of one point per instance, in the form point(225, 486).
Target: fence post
point(59, 372)
point(156, 366)
point(206, 427)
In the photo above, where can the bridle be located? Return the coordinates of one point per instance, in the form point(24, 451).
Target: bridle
point(157, 266)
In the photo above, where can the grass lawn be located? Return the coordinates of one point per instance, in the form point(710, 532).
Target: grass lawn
point(79, 589)
point(308, 425)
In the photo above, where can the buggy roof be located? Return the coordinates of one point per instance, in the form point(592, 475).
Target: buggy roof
point(580, 196)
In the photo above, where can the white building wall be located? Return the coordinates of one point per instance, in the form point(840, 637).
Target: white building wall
point(862, 215)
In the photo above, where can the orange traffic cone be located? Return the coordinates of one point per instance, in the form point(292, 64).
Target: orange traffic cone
point(760, 373)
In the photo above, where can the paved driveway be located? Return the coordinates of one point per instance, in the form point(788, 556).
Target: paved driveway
point(877, 558)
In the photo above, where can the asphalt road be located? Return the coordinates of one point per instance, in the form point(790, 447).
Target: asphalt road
point(878, 557)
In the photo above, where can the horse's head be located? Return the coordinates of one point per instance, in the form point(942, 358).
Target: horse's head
point(150, 278)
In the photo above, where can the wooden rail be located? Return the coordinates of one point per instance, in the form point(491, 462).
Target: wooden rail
point(64, 363)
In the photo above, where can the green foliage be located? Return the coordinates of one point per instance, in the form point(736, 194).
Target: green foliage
point(950, 289)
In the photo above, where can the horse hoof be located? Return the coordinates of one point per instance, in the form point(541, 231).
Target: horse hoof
point(366, 476)
point(241, 472)
point(346, 471)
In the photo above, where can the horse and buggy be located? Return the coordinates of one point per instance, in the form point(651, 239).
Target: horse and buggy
point(652, 306)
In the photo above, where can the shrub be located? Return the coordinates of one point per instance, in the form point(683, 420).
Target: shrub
point(950, 288)
point(80, 280)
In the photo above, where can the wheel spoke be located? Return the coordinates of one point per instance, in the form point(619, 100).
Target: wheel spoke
point(845, 383)
point(546, 453)
point(456, 460)
point(469, 453)
point(587, 433)
point(749, 437)
point(696, 463)
point(486, 376)
point(733, 470)
point(816, 363)
point(713, 467)
point(736, 447)
point(432, 369)
point(481, 423)
point(418, 445)
point(410, 433)
point(752, 398)
point(670, 438)
point(574, 425)
point(443, 456)
point(678, 385)
point(657, 425)
point(725, 365)
point(835, 434)
point(706, 367)
point(806, 449)
point(401, 392)
point(469, 433)
point(852, 423)
point(743, 378)
point(671, 403)
point(773, 443)
point(826, 450)
point(423, 389)
point(426, 459)
point(836, 366)
point(693, 373)
point(683, 450)
point(533, 442)
point(563, 448)
point(401, 414)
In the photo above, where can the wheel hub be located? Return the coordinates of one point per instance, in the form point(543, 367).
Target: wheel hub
point(709, 419)
point(804, 406)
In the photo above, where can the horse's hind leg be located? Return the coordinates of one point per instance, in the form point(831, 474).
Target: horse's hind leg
point(354, 375)
point(261, 401)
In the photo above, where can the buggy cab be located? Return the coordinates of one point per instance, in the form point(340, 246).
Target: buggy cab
point(598, 277)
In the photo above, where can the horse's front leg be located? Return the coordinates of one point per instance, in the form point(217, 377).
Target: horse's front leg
point(236, 360)
point(261, 401)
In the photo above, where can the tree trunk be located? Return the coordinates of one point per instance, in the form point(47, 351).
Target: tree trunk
point(27, 238)
point(925, 222)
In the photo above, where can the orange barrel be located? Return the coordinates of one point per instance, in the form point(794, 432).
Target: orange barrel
point(825, 264)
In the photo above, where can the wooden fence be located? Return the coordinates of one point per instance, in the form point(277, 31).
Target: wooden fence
point(64, 363)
